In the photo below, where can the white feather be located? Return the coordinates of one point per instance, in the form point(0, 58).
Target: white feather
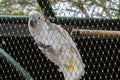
point(65, 50)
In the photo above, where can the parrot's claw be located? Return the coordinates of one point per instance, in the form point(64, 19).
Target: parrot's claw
point(35, 43)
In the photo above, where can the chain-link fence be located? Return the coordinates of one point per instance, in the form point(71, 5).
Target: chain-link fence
point(100, 54)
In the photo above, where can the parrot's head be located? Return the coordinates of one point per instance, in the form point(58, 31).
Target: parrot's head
point(36, 22)
point(35, 18)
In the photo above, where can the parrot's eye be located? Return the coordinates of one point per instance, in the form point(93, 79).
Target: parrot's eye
point(38, 17)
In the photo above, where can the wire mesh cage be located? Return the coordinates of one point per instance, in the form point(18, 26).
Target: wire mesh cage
point(100, 52)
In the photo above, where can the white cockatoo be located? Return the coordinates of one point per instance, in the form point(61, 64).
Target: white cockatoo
point(57, 45)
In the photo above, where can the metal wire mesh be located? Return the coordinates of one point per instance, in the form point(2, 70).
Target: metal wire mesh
point(100, 55)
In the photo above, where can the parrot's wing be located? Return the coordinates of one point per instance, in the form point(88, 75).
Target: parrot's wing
point(58, 28)
point(66, 35)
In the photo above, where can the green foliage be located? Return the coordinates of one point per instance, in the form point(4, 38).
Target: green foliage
point(99, 8)
point(109, 8)
point(18, 7)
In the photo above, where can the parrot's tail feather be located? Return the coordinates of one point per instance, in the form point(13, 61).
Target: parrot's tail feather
point(74, 75)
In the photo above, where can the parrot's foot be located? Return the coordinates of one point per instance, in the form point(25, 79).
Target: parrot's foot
point(42, 45)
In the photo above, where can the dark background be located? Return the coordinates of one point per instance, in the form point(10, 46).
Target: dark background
point(100, 55)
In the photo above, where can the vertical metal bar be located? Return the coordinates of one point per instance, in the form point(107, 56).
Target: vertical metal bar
point(47, 9)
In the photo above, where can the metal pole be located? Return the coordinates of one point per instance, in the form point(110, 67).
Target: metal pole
point(15, 65)
point(95, 33)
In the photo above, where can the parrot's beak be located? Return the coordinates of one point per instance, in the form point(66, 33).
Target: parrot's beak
point(33, 22)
